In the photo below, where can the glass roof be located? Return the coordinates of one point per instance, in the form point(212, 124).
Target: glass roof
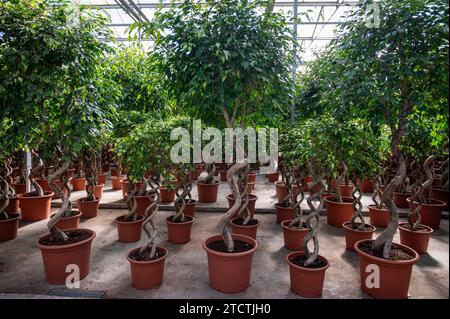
point(313, 33)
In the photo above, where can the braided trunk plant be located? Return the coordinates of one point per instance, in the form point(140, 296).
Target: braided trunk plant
point(244, 212)
point(376, 196)
point(6, 190)
point(444, 177)
point(185, 178)
point(210, 170)
point(357, 206)
point(37, 168)
point(342, 176)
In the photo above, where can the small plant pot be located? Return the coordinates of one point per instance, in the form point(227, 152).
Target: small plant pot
point(430, 213)
point(379, 217)
point(78, 184)
point(98, 191)
point(346, 190)
point(148, 274)
point(251, 177)
point(72, 222)
point(35, 208)
point(129, 232)
point(230, 272)
point(88, 209)
point(306, 182)
point(394, 275)
point(20, 188)
point(417, 240)
point(101, 178)
point(179, 233)
point(142, 203)
point(189, 209)
point(251, 203)
point(223, 175)
point(250, 187)
point(116, 182)
point(13, 205)
point(338, 213)
point(282, 190)
point(126, 188)
point(441, 195)
point(105, 168)
point(293, 237)
point(284, 213)
point(71, 173)
point(401, 199)
point(272, 178)
point(354, 235)
point(44, 184)
point(57, 257)
point(9, 227)
point(207, 193)
point(249, 230)
point(367, 186)
point(167, 196)
point(305, 281)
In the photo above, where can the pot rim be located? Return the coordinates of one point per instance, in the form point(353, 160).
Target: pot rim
point(302, 253)
point(19, 216)
point(345, 225)
point(333, 200)
point(405, 248)
point(79, 200)
point(192, 202)
point(147, 262)
point(282, 184)
point(430, 230)
point(403, 194)
point(140, 219)
point(204, 184)
point(70, 217)
point(252, 197)
point(285, 225)
point(183, 223)
point(23, 195)
point(247, 239)
point(145, 196)
point(278, 205)
point(245, 226)
point(437, 203)
point(78, 178)
point(439, 189)
point(374, 206)
point(60, 247)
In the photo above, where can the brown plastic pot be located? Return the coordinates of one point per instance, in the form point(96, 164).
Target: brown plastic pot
point(284, 213)
point(246, 230)
point(20, 188)
point(346, 190)
point(126, 188)
point(129, 232)
point(179, 233)
point(379, 217)
point(338, 213)
point(78, 184)
point(251, 177)
point(306, 181)
point(306, 282)
point(57, 258)
point(251, 202)
point(44, 184)
point(293, 237)
point(230, 272)
point(105, 168)
point(223, 175)
point(116, 182)
point(9, 227)
point(166, 195)
point(353, 235)
point(13, 205)
point(441, 195)
point(72, 222)
point(101, 178)
point(207, 193)
point(400, 199)
point(282, 190)
point(273, 177)
point(250, 187)
point(147, 274)
point(394, 275)
point(34, 208)
point(142, 203)
point(88, 209)
point(98, 190)
point(189, 209)
point(417, 240)
point(71, 172)
point(430, 213)
point(367, 186)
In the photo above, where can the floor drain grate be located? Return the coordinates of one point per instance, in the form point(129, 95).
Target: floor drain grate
point(76, 293)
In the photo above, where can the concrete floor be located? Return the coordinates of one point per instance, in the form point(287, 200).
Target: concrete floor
point(186, 272)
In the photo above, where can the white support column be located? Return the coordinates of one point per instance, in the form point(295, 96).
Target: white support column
point(294, 62)
point(28, 166)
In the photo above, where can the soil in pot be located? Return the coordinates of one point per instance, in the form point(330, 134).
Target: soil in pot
point(306, 281)
point(35, 208)
point(337, 212)
point(401, 199)
point(147, 274)
point(394, 273)
point(284, 212)
point(9, 227)
point(129, 232)
point(179, 232)
point(250, 229)
point(379, 217)
point(293, 236)
point(207, 193)
point(71, 222)
point(353, 234)
point(57, 255)
point(251, 202)
point(189, 209)
point(416, 239)
point(88, 209)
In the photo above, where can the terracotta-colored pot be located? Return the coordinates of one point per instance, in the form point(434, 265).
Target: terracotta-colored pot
point(379, 217)
point(282, 190)
point(441, 195)
point(246, 230)
point(142, 203)
point(223, 175)
point(293, 237)
point(72, 222)
point(338, 213)
point(57, 258)
point(250, 187)
point(394, 276)
point(273, 177)
point(59, 184)
point(88, 209)
point(20, 188)
point(346, 190)
point(147, 274)
point(306, 181)
point(101, 178)
point(353, 235)
point(251, 202)
point(251, 177)
point(34, 208)
point(207, 193)
point(16, 172)
point(9, 227)
point(126, 187)
point(114, 171)
point(78, 184)
point(400, 199)
point(417, 240)
point(179, 233)
point(430, 213)
point(13, 205)
point(98, 190)
point(189, 209)
point(230, 272)
point(71, 173)
point(116, 182)
point(167, 196)
point(306, 282)
point(325, 195)
point(105, 168)
point(284, 213)
point(367, 186)
point(129, 232)
point(44, 184)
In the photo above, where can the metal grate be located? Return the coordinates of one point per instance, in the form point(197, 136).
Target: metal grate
point(76, 293)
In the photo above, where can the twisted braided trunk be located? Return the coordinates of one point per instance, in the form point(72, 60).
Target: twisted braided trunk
point(296, 206)
point(210, 170)
point(149, 250)
point(186, 186)
point(244, 212)
point(376, 196)
point(6, 190)
point(339, 181)
point(444, 177)
point(36, 169)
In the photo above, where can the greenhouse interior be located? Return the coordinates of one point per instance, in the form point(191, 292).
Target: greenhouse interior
point(232, 149)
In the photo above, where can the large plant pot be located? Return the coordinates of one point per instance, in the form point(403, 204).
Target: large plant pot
point(394, 275)
point(72, 222)
point(179, 233)
point(34, 208)
point(430, 212)
point(142, 203)
point(346, 190)
point(417, 240)
point(293, 237)
point(251, 202)
point(441, 195)
point(126, 188)
point(353, 235)
point(57, 257)
point(13, 205)
point(167, 196)
point(284, 213)
point(207, 193)
point(249, 230)
point(305, 281)
point(230, 272)
point(78, 184)
point(20, 188)
point(282, 190)
point(272, 178)
point(9, 227)
point(251, 177)
point(101, 178)
point(401, 199)
point(148, 274)
point(129, 232)
point(189, 209)
point(88, 209)
point(116, 182)
point(338, 213)
point(379, 217)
